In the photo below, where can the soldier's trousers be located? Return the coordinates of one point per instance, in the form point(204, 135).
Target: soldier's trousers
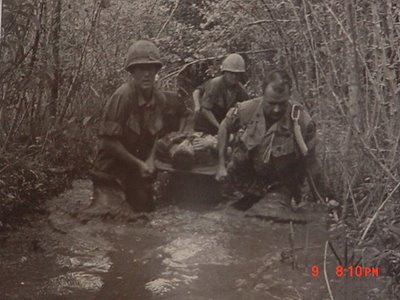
point(140, 196)
point(116, 198)
point(250, 183)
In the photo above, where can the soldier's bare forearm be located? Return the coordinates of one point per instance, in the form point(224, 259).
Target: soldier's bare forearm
point(116, 149)
point(153, 151)
point(196, 99)
point(210, 117)
point(182, 124)
point(222, 140)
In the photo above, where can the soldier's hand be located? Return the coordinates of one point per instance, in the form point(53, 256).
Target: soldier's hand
point(145, 170)
point(150, 165)
point(197, 144)
point(196, 111)
point(202, 143)
point(222, 173)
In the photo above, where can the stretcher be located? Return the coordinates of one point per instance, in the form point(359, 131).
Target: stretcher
point(196, 187)
point(201, 170)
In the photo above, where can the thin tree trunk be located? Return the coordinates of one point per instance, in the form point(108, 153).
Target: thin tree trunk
point(354, 77)
point(1, 8)
point(390, 73)
point(377, 110)
point(55, 44)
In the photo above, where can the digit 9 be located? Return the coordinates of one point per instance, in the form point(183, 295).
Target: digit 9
point(314, 271)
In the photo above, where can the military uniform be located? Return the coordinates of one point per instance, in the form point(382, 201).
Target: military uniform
point(269, 156)
point(136, 123)
point(218, 97)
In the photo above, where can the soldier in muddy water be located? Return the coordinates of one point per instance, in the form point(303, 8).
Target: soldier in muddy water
point(274, 147)
point(135, 116)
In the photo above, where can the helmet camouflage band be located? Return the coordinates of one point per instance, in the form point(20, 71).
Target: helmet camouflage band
point(142, 52)
point(233, 63)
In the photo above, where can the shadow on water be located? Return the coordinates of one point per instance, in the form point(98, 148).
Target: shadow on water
point(193, 191)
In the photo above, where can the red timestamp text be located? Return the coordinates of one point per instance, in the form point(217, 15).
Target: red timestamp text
point(349, 271)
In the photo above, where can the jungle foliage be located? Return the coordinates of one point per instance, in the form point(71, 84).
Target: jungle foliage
point(61, 60)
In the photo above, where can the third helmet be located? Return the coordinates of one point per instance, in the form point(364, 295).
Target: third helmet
point(233, 63)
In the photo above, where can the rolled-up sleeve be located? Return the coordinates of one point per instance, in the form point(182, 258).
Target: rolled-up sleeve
point(115, 114)
point(232, 119)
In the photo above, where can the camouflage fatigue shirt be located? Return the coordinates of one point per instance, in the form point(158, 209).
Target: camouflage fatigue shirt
point(136, 123)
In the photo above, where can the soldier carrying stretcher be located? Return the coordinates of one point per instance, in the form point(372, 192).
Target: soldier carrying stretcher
point(274, 146)
point(215, 97)
point(136, 115)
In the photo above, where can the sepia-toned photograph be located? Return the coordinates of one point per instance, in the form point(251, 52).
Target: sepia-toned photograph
point(199, 150)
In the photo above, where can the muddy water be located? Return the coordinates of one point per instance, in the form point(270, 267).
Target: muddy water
point(175, 253)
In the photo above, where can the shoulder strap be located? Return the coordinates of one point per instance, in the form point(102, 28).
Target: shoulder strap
point(246, 110)
point(295, 116)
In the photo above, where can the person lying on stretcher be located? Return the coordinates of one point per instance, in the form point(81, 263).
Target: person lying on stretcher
point(187, 150)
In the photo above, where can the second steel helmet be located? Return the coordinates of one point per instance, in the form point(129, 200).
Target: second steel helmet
point(233, 63)
point(142, 52)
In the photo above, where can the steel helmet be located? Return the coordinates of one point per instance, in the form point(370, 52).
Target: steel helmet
point(142, 52)
point(233, 63)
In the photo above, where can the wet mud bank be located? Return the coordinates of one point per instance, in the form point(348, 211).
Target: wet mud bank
point(177, 252)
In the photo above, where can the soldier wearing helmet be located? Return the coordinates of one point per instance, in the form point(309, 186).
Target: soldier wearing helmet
point(216, 96)
point(135, 116)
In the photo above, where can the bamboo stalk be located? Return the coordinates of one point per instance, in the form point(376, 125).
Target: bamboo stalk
point(291, 242)
point(326, 274)
point(1, 9)
point(306, 246)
